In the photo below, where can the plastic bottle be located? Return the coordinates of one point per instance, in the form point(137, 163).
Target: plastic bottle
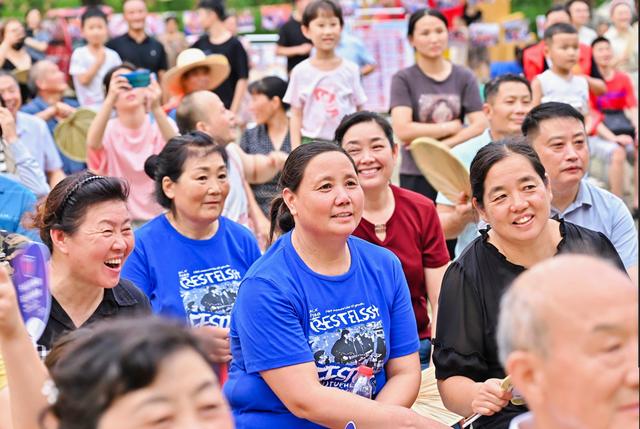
point(362, 382)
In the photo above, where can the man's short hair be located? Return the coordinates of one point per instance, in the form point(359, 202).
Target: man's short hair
point(189, 113)
point(555, 8)
point(559, 28)
point(35, 74)
point(545, 111)
point(217, 6)
point(492, 87)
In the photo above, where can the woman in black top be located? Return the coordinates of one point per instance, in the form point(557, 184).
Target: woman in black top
point(271, 134)
point(512, 194)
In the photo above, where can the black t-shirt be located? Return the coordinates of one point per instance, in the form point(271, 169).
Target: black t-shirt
point(468, 309)
point(124, 300)
point(149, 54)
point(238, 61)
point(290, 34)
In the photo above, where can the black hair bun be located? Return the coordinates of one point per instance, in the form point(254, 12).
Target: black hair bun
point(151, 166)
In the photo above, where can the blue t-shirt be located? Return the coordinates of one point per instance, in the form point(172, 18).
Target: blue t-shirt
point(194, 280)
point(15, 201)
point(286, 314)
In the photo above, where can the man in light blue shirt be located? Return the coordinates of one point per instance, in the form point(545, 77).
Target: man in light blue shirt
point(557, 133)
point(15, 201)
point(31, 131)
point(507, 102)
point(351, 48)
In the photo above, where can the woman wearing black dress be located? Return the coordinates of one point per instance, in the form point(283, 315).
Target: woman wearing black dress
point(512, 195)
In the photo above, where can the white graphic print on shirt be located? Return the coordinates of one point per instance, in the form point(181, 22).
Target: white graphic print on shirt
point(208, 295)
point(343, 339)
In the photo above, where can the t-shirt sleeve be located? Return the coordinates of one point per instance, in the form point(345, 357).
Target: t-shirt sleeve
point(136, 270)
point(630, 99)
point(459, 343)
point(283, 36)
point(269, 327)
point(400, 91)
point(624, 236)
point(78, 65)
point(434, 247)
point(404, 337)
point(471, 100)
point(292, 96)
point(240, 61)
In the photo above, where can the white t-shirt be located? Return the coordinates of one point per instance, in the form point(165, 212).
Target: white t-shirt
point(325, 97)
point(91, 95)
point(236, 206)
point(573, 91)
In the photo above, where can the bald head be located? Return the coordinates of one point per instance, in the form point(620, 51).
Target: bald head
point(204, 111)
point(568, 336)
point(567, 284)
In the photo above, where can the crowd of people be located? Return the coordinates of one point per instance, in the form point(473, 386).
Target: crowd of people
point(207, 271)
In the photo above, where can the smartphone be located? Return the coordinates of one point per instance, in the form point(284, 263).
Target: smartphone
point(138, 78)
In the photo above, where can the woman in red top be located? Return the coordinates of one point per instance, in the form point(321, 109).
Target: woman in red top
point(403, 221)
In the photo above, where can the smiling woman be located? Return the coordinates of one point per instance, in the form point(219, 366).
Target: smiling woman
point(190, 260)
point(86, 225)
point(319, 304)
point(512, 194)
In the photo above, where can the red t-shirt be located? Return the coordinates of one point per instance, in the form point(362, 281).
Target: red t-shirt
point(415, 236)
point(619, 95)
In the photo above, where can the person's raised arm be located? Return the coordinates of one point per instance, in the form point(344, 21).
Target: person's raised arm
point(477, 124)
point(26, 373)
point(118, 85)
point(295, 127)
point(596, 86)
point(164, 124)
point(259, 168)
point(298, 387)
point(455, 218)
point(536, 91)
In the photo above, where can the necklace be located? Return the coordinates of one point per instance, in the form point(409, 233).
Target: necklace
point(380, 228)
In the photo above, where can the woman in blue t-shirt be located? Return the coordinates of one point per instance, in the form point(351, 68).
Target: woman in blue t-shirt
point(319, 304)
point(190, 260)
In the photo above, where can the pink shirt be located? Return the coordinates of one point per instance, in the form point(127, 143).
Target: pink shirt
point(124, 151)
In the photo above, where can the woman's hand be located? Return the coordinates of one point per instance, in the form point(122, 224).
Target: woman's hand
point(490, 398)
point(118, 85)
point(10, 318)
point(215, 342)
point(154, 94)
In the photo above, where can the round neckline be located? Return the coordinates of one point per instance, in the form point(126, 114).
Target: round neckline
point(193, 241)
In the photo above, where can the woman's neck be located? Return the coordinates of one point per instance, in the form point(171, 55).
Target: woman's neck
point(433, 67)
point(542, 247)
point(325, 60)
point(378, 204)
point(277, 127)
point(193, 230)
point(78, 299)
point(323, 255)
point(133, 118)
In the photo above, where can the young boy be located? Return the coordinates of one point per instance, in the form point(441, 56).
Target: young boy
point(558, 83)
point(90, 63)
point(219, 40)
point(323, 88)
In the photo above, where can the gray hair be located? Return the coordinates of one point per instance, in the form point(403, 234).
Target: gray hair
point(36, 72)
point(520, 323)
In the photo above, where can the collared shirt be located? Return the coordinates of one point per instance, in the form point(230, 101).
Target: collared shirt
point(601, 211)
point(148, 54)
point(34, 134)
point(15, 201)
point(465, 152)
point(37, 105)
point(124, 300)
point(523, 421)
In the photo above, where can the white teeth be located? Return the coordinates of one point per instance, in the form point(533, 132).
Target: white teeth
point(343, 215)
point(523, 220)
point(115, 261)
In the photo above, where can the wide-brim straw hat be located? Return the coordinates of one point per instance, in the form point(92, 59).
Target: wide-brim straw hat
point(441, 168)
point(188, 60)
point(70, 134)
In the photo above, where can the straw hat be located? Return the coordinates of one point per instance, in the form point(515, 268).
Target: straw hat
point(70, 134)
point(188, 60)
point(442, 169)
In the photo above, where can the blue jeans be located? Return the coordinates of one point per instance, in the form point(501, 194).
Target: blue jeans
point(425, 353)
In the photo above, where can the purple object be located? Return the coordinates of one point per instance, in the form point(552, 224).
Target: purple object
point(31, 280)
point(350, 425)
